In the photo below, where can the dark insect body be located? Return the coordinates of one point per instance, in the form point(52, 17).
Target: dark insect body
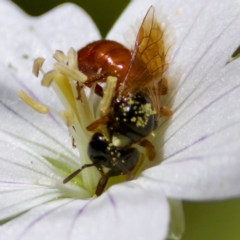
point(135, 106)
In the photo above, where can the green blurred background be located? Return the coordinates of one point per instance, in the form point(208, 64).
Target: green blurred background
point(205, 220)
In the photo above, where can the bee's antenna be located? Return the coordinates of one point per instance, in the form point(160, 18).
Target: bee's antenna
point(72, 175)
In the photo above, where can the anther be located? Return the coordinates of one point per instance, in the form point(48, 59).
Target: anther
point(60, 56)
point(32, 103)
point(37, 66)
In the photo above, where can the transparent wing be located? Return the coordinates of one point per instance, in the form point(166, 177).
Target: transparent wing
point(149, 60)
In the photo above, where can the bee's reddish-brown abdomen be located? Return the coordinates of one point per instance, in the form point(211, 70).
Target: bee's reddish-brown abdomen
point(111, 57)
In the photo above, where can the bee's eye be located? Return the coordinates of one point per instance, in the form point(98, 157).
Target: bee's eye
point(97, 148)
point(117, 159)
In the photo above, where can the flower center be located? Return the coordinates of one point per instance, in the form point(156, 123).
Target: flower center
point(84, 112)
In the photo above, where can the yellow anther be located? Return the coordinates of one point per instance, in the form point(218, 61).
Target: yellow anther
point(60, 56)
point(37, 65)
point(48, 78)
point(133, 119)
point(72, 59)
point(69, 72)
point(32, 103)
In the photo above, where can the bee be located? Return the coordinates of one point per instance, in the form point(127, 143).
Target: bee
point(132, 106)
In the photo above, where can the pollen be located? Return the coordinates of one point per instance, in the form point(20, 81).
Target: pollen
point(48, 78)
point(41, 108)
point(60, 56)
point(63, 78)
point(37, 66)
point(140, 122)
point(133, 119)
point(131, 101)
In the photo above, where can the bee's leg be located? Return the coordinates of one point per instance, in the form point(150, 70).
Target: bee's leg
point(101, 185)
point(94, 125)
point(164, 86)
point(98, 77)
point(98, 90)
point(79, 88)
point(91, 80)
point(103, 181)
point(167, 112)
point(151, 152)
point(164, 111)
point(73, 142)
point(129, 176)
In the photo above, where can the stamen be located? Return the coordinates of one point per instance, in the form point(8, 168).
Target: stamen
point(32, 103)
point(48, 78)
point(70, 72)
point(72, 59)
point(108, 95)
point(60, 56)
point(37, 66)
point(67, 117)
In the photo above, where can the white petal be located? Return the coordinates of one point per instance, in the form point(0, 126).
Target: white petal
point(201, 144)
point(196, 26)
point(203, 46)
point(202, 148)
point(22, 42)
point(28, 180)
point(39, 131)
point(129, 19)
point(124, 212)
point(64, 27)
point(207, 34)
point(70, 26)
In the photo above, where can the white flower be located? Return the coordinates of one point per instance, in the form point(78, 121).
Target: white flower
point(199, 145)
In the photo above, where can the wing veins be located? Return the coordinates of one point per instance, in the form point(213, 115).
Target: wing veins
point(153, 43)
